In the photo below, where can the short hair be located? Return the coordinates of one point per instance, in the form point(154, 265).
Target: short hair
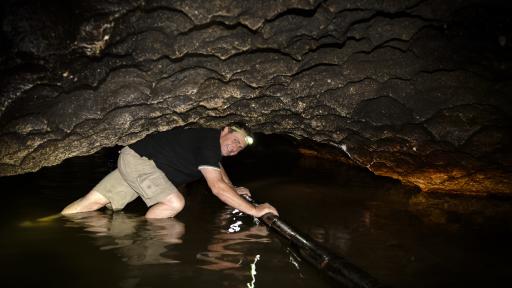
point(237, 126)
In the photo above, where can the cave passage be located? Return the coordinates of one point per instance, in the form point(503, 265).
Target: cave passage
point(401, 237)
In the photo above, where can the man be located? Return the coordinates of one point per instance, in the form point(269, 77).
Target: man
point(152, 168)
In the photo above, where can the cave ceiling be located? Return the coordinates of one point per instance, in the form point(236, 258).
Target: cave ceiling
point(414, 90)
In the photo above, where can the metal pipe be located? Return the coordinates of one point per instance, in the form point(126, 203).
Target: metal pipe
point(335, 266)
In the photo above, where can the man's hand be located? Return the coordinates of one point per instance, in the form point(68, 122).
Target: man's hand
point(264, 209)
point(242, 191)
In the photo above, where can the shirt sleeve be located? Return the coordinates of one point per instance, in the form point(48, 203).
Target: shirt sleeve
point(208, 158)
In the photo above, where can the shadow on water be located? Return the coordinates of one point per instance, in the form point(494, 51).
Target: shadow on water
point(401, 237)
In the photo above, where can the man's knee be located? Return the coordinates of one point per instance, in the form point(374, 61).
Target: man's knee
point(90, 202)
point(95, 196)
point(175, 202)
point(168, 207)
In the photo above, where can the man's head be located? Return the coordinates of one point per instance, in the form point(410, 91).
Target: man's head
point(235, 137)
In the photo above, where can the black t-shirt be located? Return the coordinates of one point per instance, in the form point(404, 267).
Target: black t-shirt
point(180, 152)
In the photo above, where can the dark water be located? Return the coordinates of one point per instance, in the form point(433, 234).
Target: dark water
point(402, 238)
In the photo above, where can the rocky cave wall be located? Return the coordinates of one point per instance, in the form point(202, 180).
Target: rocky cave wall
point(412, 89)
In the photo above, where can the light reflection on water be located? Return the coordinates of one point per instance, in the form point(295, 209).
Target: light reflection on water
point(138, 241)
point(141, 241)
point(222, 253)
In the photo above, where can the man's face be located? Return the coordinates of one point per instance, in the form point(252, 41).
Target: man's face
point(231, 142)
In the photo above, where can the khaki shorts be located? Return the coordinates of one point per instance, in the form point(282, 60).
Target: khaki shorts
point(135, 176)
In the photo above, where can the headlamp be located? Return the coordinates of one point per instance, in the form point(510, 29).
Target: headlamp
point(248, 139)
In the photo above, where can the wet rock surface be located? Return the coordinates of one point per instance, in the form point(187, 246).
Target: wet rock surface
point(415, 90)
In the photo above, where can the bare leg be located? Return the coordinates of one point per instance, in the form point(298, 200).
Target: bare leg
point(168, 207)
point(90, 202)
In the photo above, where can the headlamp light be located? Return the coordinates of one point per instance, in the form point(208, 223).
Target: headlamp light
point(248, 139)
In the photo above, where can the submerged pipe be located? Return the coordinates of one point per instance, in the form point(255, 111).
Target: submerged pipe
point(335, 266)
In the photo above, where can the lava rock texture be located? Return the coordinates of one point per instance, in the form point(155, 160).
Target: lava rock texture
point(411, 89)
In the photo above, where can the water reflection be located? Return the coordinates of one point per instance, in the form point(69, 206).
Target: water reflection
point(139, 241)
point(228, 249)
